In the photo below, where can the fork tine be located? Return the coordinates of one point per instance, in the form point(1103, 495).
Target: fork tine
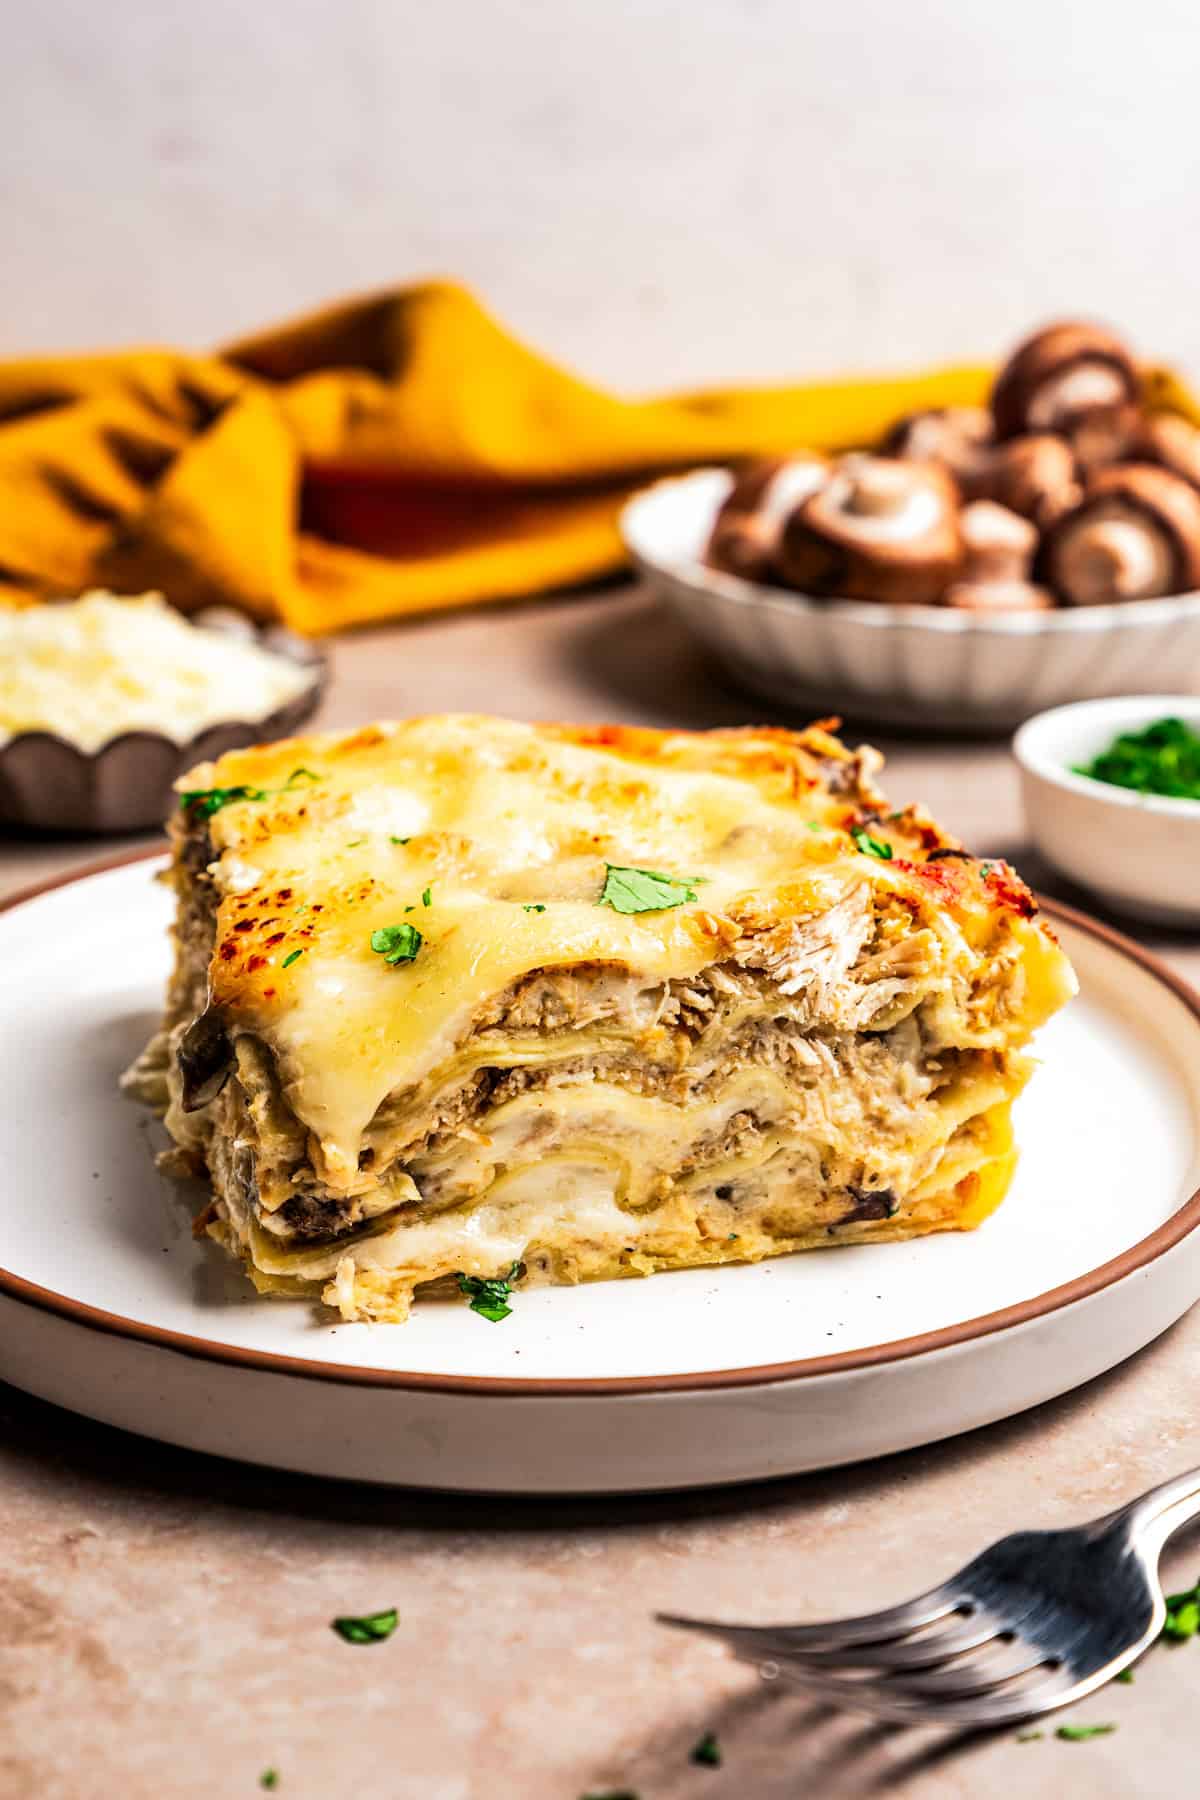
point(756, 1643)
point(967, 1712)
point(973, 1632)
point(833, 1634)
point(975, 1677)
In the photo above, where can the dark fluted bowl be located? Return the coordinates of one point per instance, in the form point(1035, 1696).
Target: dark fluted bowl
point(49, 784)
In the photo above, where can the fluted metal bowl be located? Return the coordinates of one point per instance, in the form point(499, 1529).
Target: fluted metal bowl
point(47, 783)
point(928, 666)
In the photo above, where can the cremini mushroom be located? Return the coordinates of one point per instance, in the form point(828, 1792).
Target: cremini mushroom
point(998, 552)
point(998, 545)
point(1035, 476)
point(998, 597)
point(960, 438)
point(878, 529)
point(1074, 379)
point(1173, 441)
point(1134, 536)
point(746, 531)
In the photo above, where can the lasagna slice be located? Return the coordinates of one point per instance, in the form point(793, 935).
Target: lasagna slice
point(461, 997)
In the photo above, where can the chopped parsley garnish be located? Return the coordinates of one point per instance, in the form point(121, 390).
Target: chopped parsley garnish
point(533, 906)
point(291, 957)
point(396, 840)
point(1029, 1737)
point(1125, 1677)
point(204, 802)
point(644, 890)
point(426, 896)
point(396, 943)
point(1183, 1615)
point(1162, 759)
point(355, 842)
point(1079, 1734)
point(813, 825)
point(207, 801)
point(871, 846)
point(269, 1779)
point(368, 1628)
point(985, 869)
point(707, 1752)
point(489, 1298)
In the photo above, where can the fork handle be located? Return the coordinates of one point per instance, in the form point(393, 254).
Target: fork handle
point(1161, 1510)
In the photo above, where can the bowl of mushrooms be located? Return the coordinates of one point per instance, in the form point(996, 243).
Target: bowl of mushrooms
point(975, 566)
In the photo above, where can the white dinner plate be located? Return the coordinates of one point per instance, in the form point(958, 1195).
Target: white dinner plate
point(109, 1307)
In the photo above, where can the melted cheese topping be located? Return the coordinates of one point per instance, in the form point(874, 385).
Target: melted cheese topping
point(498, 818)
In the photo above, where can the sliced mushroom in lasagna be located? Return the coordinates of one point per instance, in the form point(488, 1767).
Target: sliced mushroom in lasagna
point(465, 997)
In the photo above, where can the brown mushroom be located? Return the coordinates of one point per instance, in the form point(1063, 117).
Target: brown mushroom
point(998, 551)
point(879, 529)
point(960, 438)
point(998, 545)
point(1174, 442)
point(1134, 536)
point(998, 597)
point(746, 531)
point(1035, 476)
point(1077, 380)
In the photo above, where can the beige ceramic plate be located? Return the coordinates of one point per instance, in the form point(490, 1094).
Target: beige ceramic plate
point(108, 1306)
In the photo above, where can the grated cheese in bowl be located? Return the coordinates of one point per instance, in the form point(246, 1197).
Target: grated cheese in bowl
point(91, 669)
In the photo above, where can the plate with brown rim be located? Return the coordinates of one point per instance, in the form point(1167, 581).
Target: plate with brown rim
point(108, 1306)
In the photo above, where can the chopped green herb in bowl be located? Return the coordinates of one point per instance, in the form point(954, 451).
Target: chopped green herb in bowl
point(1163, 758)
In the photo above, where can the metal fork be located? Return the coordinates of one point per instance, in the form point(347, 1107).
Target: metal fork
point(1034, 1623)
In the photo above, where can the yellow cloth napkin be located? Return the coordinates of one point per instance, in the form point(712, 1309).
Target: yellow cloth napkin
point(386, 456)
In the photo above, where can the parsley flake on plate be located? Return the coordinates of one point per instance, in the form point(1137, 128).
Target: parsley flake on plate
point(533, 906)
point(1030, 1737)
point(1183, 1615)
point(427, 896)
point(1079, 1734)
point(644, 890)
point(707, 1752)
point(291, 957)
point(269, 1779)
point(367, 1628)
point(871, 846)
point(396, 840)
point(489, 1298)
point(396, 943)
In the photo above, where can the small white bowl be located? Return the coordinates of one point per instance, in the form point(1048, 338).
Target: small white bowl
point(1140, 853)
point(927, 666)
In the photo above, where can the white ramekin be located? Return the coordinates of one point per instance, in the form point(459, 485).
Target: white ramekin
point(1139, 852)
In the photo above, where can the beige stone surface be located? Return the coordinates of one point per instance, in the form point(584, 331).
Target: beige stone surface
point(164, 1618)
